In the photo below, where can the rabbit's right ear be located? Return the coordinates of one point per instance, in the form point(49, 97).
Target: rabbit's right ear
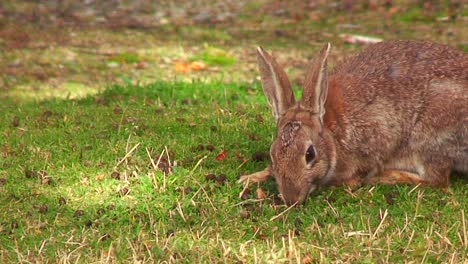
point(315, 84)
point(275, 83)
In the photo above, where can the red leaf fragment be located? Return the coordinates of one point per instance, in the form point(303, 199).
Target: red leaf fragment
point(221, 155)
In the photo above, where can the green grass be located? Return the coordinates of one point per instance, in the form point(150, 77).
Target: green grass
point(214, 56)
point(93, 204)
point(125, 57)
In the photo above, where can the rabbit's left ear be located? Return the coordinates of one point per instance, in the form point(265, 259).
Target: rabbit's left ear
point(315, 84)
point(275, 83)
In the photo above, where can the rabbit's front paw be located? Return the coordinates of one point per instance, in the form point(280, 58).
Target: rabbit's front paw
point(259, 176)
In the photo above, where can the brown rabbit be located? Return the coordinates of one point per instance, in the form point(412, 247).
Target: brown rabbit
point(395, 113)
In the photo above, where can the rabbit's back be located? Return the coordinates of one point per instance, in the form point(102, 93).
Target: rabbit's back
point(400, 97)
point(403, 59)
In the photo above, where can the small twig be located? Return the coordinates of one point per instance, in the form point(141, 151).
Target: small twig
point(128, 154)
point(282, 213)
point(381, 222)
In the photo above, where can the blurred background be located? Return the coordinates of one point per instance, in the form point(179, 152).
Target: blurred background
point(73, 48)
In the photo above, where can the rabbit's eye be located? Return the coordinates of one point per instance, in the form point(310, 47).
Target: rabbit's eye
point(310, 154)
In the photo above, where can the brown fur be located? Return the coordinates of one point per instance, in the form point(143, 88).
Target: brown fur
point(395, 113)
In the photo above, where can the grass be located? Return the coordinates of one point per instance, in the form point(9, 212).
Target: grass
point(82, 170)
point(214, 56)
point(125, 57)
point(77, 184)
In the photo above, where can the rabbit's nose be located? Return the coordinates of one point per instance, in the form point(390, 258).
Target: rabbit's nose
point(291, 192)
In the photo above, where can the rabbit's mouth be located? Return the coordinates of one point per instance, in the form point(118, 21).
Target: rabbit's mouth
point(312, 188)
point(297, 196)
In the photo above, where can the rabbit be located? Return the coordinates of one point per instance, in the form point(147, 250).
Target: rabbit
point(395, 113)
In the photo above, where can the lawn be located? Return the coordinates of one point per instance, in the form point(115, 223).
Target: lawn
point(137, 173)
point(124, 144)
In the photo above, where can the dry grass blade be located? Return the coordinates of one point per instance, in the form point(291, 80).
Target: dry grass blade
point(159, 159)
point(167, 155)
point(246, 187)
point(357, 233)
point(409, 242)
point(335, 212)
point(198, 164)
point(415, 187)
point(380, 224)
point(151, 159)
point(247, 202)
point(282, 213)
point(199, 184)
point(464, 234)
point(181, 212)
point(127, 155)
point(42, 246)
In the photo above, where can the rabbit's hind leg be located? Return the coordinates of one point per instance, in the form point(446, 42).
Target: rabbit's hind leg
point(433, 171)
point(395, 177)
point(409, 169)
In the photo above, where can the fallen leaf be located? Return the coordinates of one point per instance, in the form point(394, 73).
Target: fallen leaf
point(393, 10)
point(197, 66)
point(306, 260)
point(244, 214)
point(84, 181)
point(181, 66)
point(260, 194)
point(359, 39)
point(99, 177)
point(221, 155)
point(141, 65)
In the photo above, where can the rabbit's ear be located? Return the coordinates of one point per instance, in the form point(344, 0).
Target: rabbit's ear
point(316, 85)
point(275, 83)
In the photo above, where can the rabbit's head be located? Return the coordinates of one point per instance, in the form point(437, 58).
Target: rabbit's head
point(303, 153)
